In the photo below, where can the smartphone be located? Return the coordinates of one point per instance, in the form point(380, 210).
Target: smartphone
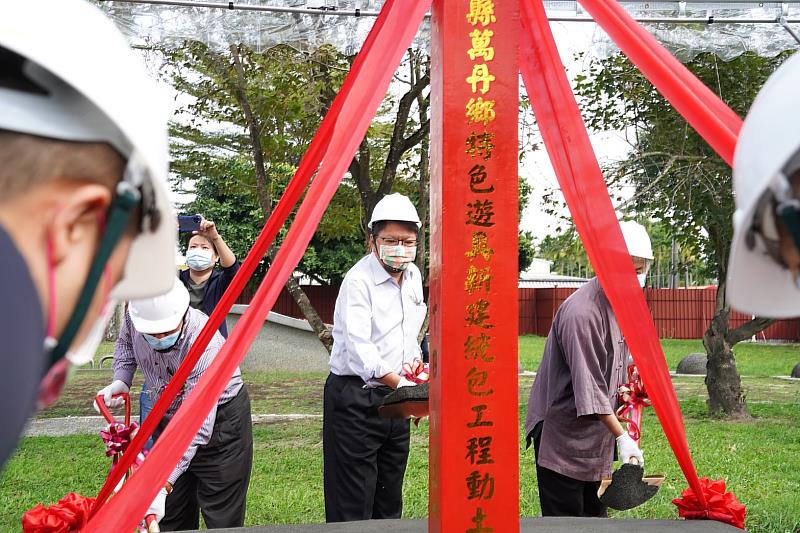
point(189, 223)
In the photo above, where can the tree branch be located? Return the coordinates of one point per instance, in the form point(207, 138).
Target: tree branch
point(748, 329)
point(263, 184)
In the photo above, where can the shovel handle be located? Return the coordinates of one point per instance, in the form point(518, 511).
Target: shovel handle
point(101, 405)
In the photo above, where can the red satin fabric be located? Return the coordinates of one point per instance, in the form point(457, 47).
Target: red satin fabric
point(720, 505)
point(305, 170)
point(707, 114)
point(586, 194)
point(402, 19)
point(69, 514)
point(633, 399)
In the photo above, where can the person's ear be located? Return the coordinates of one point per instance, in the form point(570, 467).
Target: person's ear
point(77, 219)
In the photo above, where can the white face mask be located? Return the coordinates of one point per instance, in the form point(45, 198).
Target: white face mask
point(199, 259)
point(642, 278)
point(397, 256)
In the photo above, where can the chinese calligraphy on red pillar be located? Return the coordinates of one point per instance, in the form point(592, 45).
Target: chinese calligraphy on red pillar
point(474, 480)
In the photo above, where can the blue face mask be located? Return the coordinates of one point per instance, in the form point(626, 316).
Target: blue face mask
point(164, 343)
point(199, 259)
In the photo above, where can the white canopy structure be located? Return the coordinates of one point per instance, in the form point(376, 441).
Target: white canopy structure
point(728, 28)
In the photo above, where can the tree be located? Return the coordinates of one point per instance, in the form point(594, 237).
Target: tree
point(679, 180)
point(249, 120)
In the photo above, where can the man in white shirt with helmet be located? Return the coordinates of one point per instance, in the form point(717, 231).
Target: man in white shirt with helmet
point(379, 313)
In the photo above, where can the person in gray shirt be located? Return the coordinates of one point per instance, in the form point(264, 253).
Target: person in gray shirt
point(571, 409)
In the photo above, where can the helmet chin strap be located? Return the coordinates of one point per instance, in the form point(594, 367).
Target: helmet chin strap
point(117, 220)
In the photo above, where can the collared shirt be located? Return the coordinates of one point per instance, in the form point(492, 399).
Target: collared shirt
point(132, 351)
point(584, 363)
point(22, 349)
point(376, 321)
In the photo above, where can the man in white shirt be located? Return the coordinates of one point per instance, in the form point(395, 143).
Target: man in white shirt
point(379, 313)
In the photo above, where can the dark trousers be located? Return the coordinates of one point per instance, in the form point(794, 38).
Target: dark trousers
point(562, 495)
point(217, 479)
point(365, 456)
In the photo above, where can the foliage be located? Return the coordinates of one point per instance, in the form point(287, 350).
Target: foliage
point(288, 93)
point(566, 252)
point(678, 178)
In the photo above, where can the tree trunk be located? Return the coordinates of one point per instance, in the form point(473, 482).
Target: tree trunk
point(725, 397)
point(115, 323)
point(265, 199)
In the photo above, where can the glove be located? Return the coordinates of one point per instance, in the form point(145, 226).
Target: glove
point(405, 383)
point(628, 450)
point(157, 507)
point(117, 387)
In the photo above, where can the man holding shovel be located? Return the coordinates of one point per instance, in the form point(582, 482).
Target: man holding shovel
point(571, 409)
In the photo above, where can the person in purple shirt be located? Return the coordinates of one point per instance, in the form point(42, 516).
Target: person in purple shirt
point(213, 475)
point(571, 409)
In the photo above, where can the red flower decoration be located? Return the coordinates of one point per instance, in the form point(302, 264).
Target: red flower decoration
point(720, 505)
point(70, 514)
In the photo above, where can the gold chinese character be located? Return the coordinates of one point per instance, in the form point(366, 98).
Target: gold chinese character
point(479, 421)
point(478, 521)
point(481, 12)
point(480, 45)
point(477, 314)
point(476, 380)
point(480, 144)
point(478, 347)
point(480, 486)
point(480, 213)
point(477, 279)
point(477, 175)
point(480, 75)
point(480, 246)
point(481, 110)
point(479, 450)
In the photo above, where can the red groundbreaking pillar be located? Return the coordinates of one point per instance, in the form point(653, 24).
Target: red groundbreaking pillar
point(474, 452)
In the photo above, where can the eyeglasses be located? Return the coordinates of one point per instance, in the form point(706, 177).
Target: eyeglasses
point(408, 243)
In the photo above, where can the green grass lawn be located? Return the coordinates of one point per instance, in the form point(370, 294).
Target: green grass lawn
point(759, 459)
point(752, 359)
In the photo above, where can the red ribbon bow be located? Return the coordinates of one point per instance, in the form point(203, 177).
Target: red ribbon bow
point(421, 375)
point(117, 437)
point(634, 399)
point(720, 505)
point(70, 514)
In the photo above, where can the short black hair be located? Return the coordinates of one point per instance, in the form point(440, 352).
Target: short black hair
point(189, 238)
point(380, 225)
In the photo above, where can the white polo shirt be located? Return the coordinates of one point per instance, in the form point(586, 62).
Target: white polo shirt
point(376, 321)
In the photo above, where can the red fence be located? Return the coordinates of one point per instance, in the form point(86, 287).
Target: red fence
point(677, 313)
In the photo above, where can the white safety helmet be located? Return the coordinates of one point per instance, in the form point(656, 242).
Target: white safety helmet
point(636, 239)
point(394, 207)
point(81, 82)
point(766, 154)
point(160, 314)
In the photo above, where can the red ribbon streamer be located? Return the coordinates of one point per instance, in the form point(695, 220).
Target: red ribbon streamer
point(586, 194)
point(707, 114)
point(719, 505)
point(357, 110)
point(305, 170)
point(69, 514)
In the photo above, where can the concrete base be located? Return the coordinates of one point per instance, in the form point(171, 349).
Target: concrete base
point(283, 344)
point(532, 525)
